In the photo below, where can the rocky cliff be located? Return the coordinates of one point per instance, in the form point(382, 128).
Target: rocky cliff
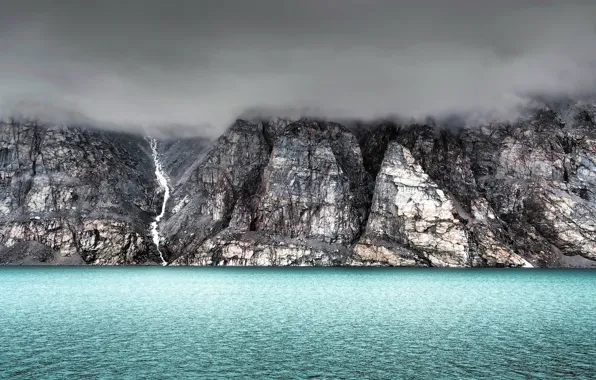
point(307, 192)
point(73, 195)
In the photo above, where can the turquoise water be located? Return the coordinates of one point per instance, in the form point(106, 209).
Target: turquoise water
point(295, 323)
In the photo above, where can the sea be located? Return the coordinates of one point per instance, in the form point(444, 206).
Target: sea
point(296, 323)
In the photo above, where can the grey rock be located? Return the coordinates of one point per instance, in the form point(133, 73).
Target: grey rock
point(34, 253)
point(307, 192)
point(410, 209)
point(300, 196)
point(204, 201)
point(495, 195)
point(78, 192)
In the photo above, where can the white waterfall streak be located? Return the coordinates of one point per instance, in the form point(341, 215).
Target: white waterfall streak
point(162, 180)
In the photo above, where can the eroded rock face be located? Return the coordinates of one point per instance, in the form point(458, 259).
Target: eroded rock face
point(536, 176)
point(304, 192)
point(498, 195)
point(86, 196)
point(410, 209)
point(216, 192)
point(304, 200)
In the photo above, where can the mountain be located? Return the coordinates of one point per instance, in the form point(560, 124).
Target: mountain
point(74, 195)
point(307, 192)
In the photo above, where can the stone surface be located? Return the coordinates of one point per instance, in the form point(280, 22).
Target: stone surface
point(306, 192)
point(212, 193)
point(410, 209)
point(82, 194)
point(300, 196)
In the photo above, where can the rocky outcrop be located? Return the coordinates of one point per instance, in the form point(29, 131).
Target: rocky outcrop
point(532, 175)
point(300, 199)
point(212, 195)
point(409, 195)
point(411, 210)
point(84, 196)
point(307, 192)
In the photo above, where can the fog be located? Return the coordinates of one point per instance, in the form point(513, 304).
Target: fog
point(197, 65)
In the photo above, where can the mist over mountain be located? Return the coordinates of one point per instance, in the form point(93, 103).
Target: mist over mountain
point(193, 67)
point(305, 192)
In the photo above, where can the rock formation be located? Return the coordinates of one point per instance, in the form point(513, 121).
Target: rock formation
point(84, 195)
point(307, 192)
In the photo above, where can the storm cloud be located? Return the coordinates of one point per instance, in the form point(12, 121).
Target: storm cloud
point(149, 63)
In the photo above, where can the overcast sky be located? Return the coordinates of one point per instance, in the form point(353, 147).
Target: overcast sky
point(203, 62)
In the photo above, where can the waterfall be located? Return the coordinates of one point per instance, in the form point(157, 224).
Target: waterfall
point(162, 180)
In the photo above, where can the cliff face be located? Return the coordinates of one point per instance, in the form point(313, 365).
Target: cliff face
point(272, 194)
point(299, 194)
point(309, 193)
point(71, 196)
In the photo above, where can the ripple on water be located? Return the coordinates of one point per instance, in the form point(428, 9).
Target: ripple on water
point(221, 323)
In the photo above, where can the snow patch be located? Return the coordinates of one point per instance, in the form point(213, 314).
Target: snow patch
point(527, 264)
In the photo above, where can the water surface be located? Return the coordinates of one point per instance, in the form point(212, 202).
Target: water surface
point(296, 323)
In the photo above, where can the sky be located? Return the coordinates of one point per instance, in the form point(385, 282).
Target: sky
point(181, 64)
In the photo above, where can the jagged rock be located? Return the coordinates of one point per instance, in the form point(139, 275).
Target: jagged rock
point(203, 202)
point(410, 209)
point(566, 220)
point(536, 176)
point(456, 197)
point(78, 192)
point(34, 253)
point(310, 184)
point(306, 192)
point(180, 157)
point(441, 155)
point(257, 249)
point(376, 252)
point(487, 241)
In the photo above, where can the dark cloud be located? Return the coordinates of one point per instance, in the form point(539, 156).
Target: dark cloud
point(155, 63)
